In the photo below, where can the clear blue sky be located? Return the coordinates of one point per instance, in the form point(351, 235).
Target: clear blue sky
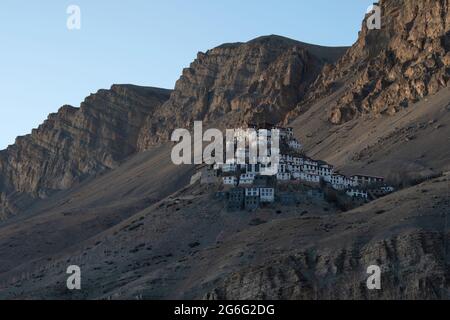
point(43, 65)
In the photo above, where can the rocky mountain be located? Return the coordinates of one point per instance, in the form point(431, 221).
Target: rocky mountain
point(237, 83)
point(128, 217)
point(389, 69)
point(188, 246)
point(75, 143)
point(228, 85)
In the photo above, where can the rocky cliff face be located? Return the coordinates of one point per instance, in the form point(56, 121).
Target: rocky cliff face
point(226, 86)
point(75, 143)
point(233, 84)
point(413, 268)
point(388, 69)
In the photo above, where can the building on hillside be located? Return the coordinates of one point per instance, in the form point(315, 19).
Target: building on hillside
point(294, 144)
point(308, 177)
point(387, 189)
point(286, 158)
point(381, 191)
point(311, 162)
point(253, 168)
point(296, 175)
point(236, 199)
point(229, 167)
point(295, 168)
point(267, 195)
point(340, 182)
point(285, 133)
point(297, 161)
point(358, 193)
point(269, 170)
point(290, 132)
point(310, 167)
point(325, 170)
point(284, 176)
point(247, 179)
point(251, 203)
point(363, 180)
point(252, 192)
point(255, 196)
point(230, 181)
point(282, 168)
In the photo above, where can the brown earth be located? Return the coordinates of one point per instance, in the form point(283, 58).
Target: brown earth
point(187, 246)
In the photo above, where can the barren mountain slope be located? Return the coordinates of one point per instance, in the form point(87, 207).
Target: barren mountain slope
point(53, 226)
point(188, 246)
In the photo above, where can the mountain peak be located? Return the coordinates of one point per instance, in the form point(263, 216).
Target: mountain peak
point(75, 143)
point(405, 61)
point(236, 83)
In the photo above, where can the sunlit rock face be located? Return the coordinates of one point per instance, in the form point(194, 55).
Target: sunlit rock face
point(75, 143)
point(261, 80)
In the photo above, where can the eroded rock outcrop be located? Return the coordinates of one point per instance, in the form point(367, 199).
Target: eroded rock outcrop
point(414, 267)
point(261, 80)
point(75, 143)
point(388, 69)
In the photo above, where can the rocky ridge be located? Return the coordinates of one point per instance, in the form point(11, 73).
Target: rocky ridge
point(75, 143)
point(389, 69)
point(233, 84)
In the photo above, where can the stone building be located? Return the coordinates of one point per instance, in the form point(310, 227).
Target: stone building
point(252, 203)
point(358, 193)
point(267, 195)
point(230, 181)
point(362, 180)
point(236, 198)
point(247, 179)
